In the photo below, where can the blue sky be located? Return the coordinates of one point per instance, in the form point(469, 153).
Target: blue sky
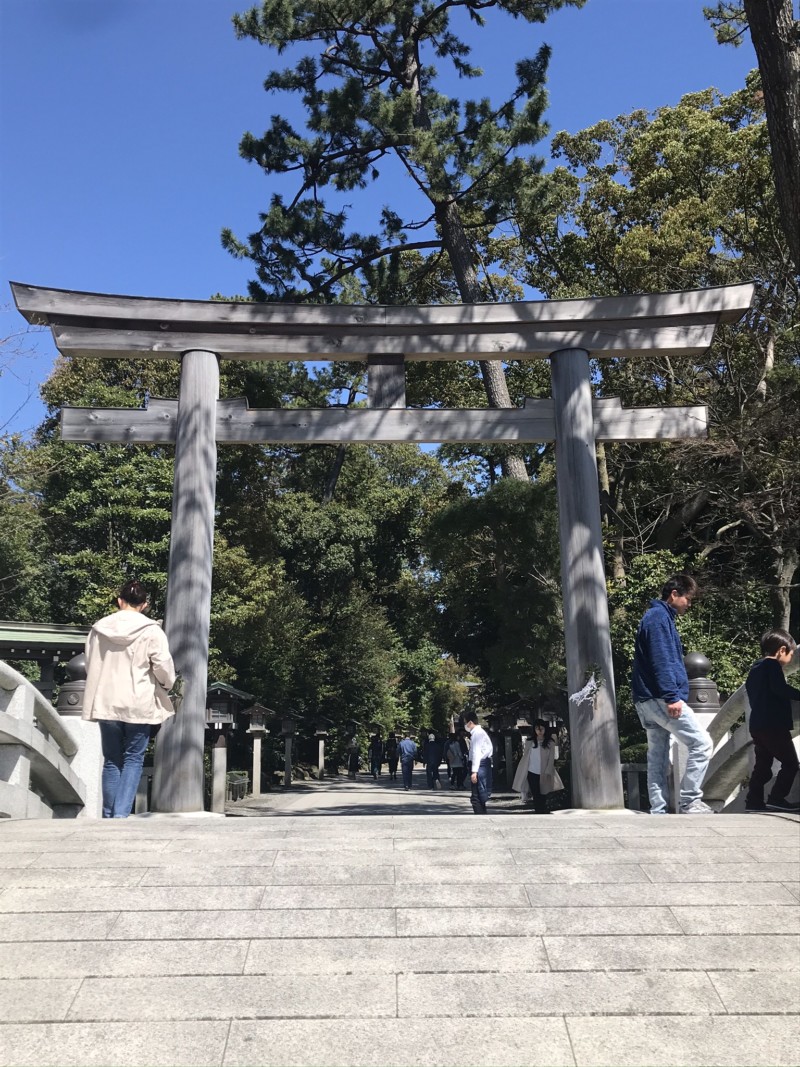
point(120, 122)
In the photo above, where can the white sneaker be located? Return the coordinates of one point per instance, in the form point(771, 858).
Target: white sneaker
point(697, 807)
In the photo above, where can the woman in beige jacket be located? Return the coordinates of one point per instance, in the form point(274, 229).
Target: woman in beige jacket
point(536, 772)
point(128, 672)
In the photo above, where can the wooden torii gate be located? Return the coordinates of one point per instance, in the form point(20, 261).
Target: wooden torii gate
point(569, 333)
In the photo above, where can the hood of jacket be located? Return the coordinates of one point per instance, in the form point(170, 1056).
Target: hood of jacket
point(123, 627)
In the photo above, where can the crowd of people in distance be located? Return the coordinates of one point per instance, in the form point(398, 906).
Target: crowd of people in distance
point(467, 756)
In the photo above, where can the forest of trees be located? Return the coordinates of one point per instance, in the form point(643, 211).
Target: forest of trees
point(368, 582)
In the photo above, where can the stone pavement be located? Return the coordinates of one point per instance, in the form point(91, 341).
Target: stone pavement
point(434, 938)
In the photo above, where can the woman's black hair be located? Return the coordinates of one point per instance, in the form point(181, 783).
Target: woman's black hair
point(133, 593)
point(546, 739)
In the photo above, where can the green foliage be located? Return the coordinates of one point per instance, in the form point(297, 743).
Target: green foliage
point(495, 560)
point(680, 199)
point(368, 79)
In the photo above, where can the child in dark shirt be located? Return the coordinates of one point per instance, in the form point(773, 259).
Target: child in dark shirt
point(770, 697)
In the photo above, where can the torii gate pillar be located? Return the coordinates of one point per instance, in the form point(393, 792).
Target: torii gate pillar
point(178, 779)
point(594, 737)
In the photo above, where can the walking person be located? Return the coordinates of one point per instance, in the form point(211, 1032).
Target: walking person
point(129, 671)
point(536, 772)
point(375, 756)
point(660, 688)
point(455, 761)
point(771, 697)
point(392, 756)
point(407, 750)
point(353, 757)
point(480, 758)
point(432, 758)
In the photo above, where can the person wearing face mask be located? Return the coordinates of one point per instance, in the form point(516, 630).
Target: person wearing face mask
point(536, 772)
point(480, 761)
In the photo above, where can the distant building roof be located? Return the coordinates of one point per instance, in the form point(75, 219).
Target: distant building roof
point(41, 640)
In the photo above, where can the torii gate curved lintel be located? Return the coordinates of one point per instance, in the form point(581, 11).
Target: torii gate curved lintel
point(568, 332)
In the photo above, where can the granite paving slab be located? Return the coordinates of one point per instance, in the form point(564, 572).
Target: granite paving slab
point(749, 918)
point(376, 955)
point(492, 874)
point(746, 952)
point(235, 997)
point(753, 992)
point(408, 1042)
point(25, 1000)
point(310, 922)
point(724, 1041)
point(511, 922)
point(124, 898)
point(128, 1044)
point(109, 959)
point(287, 874)
point(488, 995)
point(638, 894)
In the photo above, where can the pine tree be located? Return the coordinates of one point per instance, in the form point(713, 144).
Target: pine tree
point(374, 110)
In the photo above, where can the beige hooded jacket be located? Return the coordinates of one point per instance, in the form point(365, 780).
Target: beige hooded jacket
point(128, 670)
point(549, 779)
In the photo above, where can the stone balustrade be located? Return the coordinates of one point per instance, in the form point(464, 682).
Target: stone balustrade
point(50, 765)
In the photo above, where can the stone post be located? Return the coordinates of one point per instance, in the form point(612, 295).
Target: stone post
point(219, 774)
point(257, 735)
point(178, 781)
point(596, 773)
point(287, 761)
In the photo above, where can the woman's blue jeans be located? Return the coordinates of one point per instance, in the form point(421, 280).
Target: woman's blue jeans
point(124, 745)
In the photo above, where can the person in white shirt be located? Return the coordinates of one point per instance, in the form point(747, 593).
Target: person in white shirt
point(480, 761)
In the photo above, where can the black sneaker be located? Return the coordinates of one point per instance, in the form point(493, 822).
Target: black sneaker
point(783, 805)
point(754, 806)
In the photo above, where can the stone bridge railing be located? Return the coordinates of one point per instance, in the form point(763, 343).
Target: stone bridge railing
point(49, 765)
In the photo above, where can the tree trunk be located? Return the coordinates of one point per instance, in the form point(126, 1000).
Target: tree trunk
point(462, 259)
point(786, 564)
point(460, 253)
point(776, 38)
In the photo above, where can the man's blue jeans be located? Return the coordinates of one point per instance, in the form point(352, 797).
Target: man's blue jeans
point(124, 745)
point(660, 727)
point(407, 767)
point(482, 789)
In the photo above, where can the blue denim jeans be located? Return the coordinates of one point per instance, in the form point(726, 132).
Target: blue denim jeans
point(482, 789)
point(660, 727)
point(124, 745)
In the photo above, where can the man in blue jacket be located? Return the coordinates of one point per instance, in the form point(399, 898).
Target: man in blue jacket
point(660, 690)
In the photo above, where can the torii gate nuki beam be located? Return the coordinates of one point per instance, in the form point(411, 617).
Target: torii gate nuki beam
point(569, 333)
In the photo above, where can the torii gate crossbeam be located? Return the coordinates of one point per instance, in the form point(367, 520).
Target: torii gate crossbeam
point(569, 333)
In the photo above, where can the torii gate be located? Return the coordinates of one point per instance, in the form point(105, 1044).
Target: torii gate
point(568, 332)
